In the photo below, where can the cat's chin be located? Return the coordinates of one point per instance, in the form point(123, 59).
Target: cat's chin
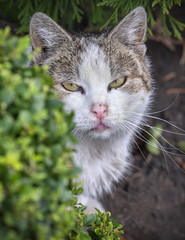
point(101, 131)
point(100, 127)
point(103, 134)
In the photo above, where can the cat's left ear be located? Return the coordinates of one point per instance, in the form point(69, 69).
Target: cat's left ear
point(132, 30)
point(48, 36)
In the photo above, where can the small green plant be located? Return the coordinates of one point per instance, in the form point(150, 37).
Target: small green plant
point(95, 226)
point(36, 167)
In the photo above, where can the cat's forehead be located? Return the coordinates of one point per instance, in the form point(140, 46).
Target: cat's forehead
point(94, 63)
point(94, 59)
point(104, 55)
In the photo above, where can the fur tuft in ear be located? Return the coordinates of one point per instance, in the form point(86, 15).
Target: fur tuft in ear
point(131, 30)
point(46, 35)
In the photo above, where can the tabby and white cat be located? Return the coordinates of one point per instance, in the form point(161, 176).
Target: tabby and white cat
point(104, 78)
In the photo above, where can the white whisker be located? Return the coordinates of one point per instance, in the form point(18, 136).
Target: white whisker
point(139, 147)
point(166, 107)
point(164, 151)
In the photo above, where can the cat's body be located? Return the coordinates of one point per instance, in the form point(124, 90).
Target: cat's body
point(105, 80)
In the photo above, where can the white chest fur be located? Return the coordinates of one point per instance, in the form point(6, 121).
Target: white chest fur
point(103, 162)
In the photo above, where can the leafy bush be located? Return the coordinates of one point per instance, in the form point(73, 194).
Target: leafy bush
point(95, 13)
point(34, 157)
point(36, 167)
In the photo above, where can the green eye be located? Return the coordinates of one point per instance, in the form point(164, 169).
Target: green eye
point(117, 83)
point(71, 86)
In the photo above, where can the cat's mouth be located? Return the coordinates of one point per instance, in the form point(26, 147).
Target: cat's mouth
point(100, 127)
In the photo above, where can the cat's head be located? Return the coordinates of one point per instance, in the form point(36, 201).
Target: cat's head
point(103, 78)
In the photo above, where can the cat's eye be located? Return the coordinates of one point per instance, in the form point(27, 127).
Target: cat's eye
point(71, 86)
point(117, 83)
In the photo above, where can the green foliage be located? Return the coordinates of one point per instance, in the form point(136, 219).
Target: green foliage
point(103, 228)
point(36, 167)
point(96, 226)
point(35, 176)
point(123, 7)
point(152, 144)
point(97, 13)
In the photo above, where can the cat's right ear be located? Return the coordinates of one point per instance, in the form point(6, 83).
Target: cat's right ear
point(46, 35)
point(131, 30)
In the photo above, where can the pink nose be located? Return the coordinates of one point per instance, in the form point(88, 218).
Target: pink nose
point(99, 110)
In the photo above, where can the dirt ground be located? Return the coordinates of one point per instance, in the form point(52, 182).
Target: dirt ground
point(150, 203)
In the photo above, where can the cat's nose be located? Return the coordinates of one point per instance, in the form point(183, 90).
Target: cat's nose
point(99, 110)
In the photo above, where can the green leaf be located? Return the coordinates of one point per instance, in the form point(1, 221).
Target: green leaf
point(156, 131)
point(82, 208)
point(153, 147)
point(155, 2)
point(89, 220)
point(78, 191)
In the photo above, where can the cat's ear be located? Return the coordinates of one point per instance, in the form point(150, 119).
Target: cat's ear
point(132, 29)
point(46, 35)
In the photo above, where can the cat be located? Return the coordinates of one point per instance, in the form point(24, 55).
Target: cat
point(105, 80)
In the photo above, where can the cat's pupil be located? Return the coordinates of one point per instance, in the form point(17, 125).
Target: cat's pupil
point(116, 80)
point(82, 90)
point(109, 88)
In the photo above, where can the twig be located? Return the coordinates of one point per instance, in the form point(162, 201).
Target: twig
point(169, 76)
point(175, 91)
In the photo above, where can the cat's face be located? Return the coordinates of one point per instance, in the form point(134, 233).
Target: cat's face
point(103, 78)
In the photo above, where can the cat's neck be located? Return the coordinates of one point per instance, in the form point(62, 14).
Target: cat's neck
point(103, 161)
point(98, 148)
